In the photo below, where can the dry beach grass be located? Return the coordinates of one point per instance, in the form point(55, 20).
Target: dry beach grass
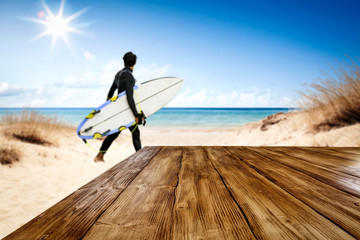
point(29, 127)
point(9, 155)
point(334, 101)
point(32, 127)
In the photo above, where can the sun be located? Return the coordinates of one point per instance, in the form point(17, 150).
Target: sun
point(56, 25)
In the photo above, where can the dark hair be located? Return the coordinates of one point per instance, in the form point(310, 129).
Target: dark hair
point(129, 59)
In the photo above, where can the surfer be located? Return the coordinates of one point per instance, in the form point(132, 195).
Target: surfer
point(124, 81)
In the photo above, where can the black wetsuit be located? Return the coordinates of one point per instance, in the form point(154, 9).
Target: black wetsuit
point(124, 81)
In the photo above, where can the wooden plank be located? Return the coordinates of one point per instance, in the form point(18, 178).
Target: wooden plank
point(72, 217)
point(272, 212)
point(338, 206)
point(144, 209)
point(355, 151)
point(349, 153)
point(333, 158)
point(121, 175)
point(339, 180)
point(204, 208)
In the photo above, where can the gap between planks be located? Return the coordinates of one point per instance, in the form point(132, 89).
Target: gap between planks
point(334, 204)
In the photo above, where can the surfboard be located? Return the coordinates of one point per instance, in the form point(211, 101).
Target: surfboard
point(115, 114)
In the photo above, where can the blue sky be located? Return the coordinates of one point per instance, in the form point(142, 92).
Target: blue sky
point(229, 53)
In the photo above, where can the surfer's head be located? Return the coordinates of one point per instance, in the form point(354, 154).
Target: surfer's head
point(129, 59)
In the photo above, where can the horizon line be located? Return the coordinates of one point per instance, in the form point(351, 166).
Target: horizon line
point(160, 109)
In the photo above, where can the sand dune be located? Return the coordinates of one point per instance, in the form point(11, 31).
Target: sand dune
point(48, 171)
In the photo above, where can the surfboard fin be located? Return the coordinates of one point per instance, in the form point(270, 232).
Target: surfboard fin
point(88, 129)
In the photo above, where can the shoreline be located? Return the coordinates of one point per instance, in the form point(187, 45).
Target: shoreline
point(166, 117)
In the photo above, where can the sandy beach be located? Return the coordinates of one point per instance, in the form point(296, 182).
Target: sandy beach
point(46, 173)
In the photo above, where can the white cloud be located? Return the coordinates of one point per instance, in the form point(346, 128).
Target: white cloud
point(90, 79)
point(264, 99)
point(290, 101)
point(246, 99)
point(89, 89)
point(94, 77)
point(66, 94)
point(222, 99)
point(7, 89)
point(113, 65)
point(185, 99)
point(37, 103)
point(84, 89)
point(15, 96)
point(103, 76)
point(151, 72)
point(211, 98)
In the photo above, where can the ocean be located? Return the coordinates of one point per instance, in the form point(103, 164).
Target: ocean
point(174, 117)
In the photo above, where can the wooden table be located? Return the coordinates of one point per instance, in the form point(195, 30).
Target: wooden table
point(213, 193)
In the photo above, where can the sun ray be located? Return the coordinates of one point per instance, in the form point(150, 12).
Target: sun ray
point(57, 25)
point(34, 20)
point(38, 37)
point(77, 14)
point(74, 30)
point(61, 10)
point(53, 44)
point(47, 9)
point(67, 42)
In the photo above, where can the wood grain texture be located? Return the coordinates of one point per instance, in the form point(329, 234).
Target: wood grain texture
point(121, 175)
point(326, 157)
point(273, 213)
point(346, 153)
point(340, 180)
point(213, 193)
point(338, 206)
point(72, 217)
point(144, 209)
point(204, 208)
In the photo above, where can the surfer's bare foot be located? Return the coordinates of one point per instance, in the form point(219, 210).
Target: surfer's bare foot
point(99, 157)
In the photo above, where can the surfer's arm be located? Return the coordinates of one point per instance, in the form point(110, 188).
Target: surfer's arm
point(111, 91)
point(129, 96)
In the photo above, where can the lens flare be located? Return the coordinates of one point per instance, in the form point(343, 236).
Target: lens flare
point(41, 14)
point(89, 56)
